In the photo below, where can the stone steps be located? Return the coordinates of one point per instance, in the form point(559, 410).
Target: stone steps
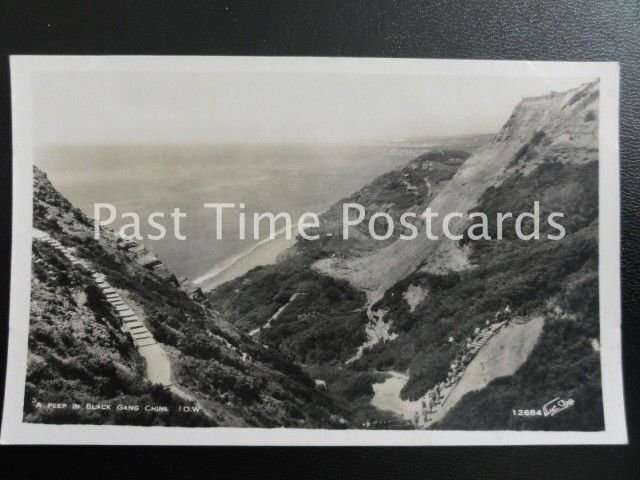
point(139, 327)
point(144, 342)
point(141, 336)
point(134, 324)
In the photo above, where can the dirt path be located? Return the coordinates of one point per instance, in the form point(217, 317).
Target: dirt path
point(386, 396)
point(255, 331)
point(158, 364)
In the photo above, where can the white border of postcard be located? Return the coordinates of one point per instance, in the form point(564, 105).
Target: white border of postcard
point(14, 431)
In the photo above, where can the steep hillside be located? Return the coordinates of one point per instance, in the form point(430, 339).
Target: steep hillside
point(561, 127)
point(78, 354)
point(427, 307)
point(326, 321)
point(79, 351)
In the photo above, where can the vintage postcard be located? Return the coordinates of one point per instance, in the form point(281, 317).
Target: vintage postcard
point(314, 251)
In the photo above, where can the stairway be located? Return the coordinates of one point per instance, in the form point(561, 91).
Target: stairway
point(130, 322)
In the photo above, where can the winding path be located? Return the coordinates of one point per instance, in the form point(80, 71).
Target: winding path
point(499, 355)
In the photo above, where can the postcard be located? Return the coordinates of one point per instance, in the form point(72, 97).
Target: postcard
point(314, 251)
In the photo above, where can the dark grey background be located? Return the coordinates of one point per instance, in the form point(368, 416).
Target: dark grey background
point(510, 29)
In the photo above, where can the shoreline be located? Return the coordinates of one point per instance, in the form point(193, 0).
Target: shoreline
point(238, 264)
point(242, 262)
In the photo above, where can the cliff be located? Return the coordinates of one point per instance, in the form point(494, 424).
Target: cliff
point(426, 307)
point(561, 127)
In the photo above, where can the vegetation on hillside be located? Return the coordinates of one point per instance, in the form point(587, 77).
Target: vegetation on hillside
point(328, 324)
point(77, 354)
point(240, 382)
point(528, 276)
point(541, 276)
point(565, 363)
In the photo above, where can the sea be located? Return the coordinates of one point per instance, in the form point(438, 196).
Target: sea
point(293, 178)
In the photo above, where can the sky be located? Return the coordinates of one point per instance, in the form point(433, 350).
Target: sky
point(176, 108)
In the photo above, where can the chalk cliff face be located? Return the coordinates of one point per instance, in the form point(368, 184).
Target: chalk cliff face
point(561, 127)
point(363, 306)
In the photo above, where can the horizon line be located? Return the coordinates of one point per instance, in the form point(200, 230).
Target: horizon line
point(407, 140)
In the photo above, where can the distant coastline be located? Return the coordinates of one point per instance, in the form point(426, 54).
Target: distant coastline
point(297, 178)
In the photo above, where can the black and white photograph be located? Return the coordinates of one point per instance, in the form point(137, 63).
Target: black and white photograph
point(226, 250)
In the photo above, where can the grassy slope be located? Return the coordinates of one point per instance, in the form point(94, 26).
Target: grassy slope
point(264, 390)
